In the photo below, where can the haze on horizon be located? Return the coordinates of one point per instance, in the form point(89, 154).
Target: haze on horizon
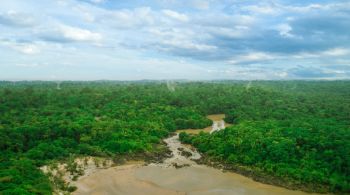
point(174, 39)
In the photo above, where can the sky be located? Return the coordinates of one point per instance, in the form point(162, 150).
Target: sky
point(174, 39)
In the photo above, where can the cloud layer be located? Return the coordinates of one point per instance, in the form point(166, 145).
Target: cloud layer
point(174, 39)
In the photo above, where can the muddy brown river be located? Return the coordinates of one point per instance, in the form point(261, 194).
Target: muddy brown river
point(160, 179)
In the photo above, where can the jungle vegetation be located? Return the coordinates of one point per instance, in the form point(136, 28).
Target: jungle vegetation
point(296, 130)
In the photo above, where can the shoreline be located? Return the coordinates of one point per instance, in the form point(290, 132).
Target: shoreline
point(153, 178)
point(260, 176)
point(120, 180)
point(163, 152)
point(140, 178)
point(65, 174)
point(250, 172)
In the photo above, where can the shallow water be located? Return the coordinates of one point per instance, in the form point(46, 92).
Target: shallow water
point(175, 146)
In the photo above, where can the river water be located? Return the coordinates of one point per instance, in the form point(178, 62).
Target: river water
point(167, 178)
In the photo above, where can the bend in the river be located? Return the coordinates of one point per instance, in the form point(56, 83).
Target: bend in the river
point(179, 174)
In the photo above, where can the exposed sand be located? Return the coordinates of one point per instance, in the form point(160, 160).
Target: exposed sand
point(87, 164)
point(119, 180)
point(157, 180)
point(216, 117)
point(165, 179)
point(200, 179)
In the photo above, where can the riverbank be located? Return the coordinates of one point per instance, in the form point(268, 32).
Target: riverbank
point(64, 175)
point(253, 173)
point(166, 178)
point(119, 180)
point(179, 169)
point(260, 176)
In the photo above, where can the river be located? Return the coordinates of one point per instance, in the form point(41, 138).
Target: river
point(167, 178)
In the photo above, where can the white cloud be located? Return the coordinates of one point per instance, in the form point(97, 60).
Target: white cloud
point(63, 33)
point(285, 31)
point(198, 31)
point(307, 8)
point(337, 52)
point(278, 8)
point(282, 74)
point(235, 32)
point(334, 52)
point(262, 9)
point(252, 57)
point(78, 34)
point(24, 48)
point(14, 18)
point(186, 44)
point(201, 4)
point(129, 18)
point(176, 39)
point(27, 49)
point(175, 15)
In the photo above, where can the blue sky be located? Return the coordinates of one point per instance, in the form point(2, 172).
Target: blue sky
point(174, 39)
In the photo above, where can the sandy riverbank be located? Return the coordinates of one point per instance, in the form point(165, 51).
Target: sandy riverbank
point(119, 180)
point(136, 178)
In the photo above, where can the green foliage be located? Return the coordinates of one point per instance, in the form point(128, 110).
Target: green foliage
point(185, 138)
point(71, 188)
point(303, 155)
point(20, 176)
point(300, 136)
point(40, 123)
point(296, 130)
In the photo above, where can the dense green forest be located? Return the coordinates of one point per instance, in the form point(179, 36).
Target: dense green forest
point(295, 130)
